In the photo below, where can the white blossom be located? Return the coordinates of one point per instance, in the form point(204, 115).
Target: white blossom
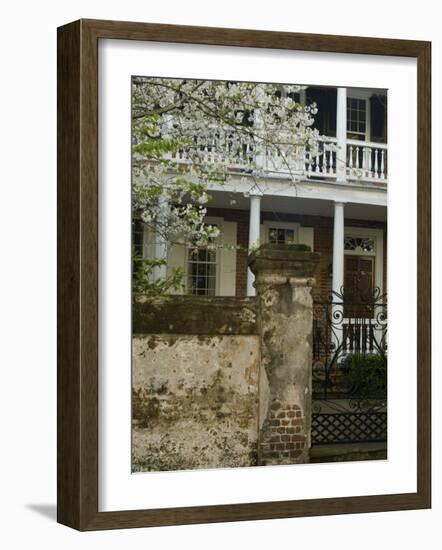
point(189, 133)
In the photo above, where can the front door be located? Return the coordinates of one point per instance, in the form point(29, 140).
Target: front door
point(358, 286)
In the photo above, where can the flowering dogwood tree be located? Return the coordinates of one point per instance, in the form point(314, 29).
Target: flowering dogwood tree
point(188, 134)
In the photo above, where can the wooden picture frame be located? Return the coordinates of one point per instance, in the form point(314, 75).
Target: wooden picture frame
point(78, 274)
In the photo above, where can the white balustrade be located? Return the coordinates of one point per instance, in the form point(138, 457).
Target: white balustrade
point(366, 161)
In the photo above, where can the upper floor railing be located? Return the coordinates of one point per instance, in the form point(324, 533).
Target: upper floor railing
point(366, 162)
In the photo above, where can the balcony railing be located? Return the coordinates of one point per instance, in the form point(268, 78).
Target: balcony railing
point(366, 161)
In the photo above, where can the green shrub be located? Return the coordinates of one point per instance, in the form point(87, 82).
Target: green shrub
point(365, 375)
point(144, 283)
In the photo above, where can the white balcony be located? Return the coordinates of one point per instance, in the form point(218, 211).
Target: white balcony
point(366, 161)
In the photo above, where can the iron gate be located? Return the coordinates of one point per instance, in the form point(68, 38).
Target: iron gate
point(349, 369)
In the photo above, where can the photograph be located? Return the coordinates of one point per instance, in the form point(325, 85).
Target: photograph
point(259, 273)
point(221, 337)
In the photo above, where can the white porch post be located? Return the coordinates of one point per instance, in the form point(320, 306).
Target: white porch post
point(160, 245)
point(303, 97)
point(338, 227)
point(338, 271)
point(254, 225)
point(341, 176)
point(338, 248)
point(341, 135)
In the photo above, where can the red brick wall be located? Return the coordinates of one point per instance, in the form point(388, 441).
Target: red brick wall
point(323, 242)
point(287, 438)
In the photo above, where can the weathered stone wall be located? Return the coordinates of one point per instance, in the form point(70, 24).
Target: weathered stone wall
point(195, 383)
point(226, 382)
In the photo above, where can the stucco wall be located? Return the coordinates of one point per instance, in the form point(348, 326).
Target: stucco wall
point(195, 383)
point(195, 401)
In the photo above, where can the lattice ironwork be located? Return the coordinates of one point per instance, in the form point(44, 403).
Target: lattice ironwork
point(349, 427)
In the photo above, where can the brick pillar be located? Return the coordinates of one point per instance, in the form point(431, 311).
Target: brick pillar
point(283, 280)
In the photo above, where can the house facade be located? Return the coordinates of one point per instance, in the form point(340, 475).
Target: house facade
point(337, 206)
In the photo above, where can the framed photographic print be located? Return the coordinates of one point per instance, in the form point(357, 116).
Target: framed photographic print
point(243, 274)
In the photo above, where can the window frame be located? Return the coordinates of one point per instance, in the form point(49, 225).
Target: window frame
point(281, 225)
point(360, 95)
point(219, 222)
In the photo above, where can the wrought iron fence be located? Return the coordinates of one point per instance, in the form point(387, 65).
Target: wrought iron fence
point(350, 368)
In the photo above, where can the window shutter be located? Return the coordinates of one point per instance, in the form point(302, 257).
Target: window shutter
point(325, 99)
point(227, 283)
point(378, 119)
point(148, 243)
point(263, 237)
point(306, 236)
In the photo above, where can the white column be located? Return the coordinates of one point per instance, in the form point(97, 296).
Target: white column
point(261, 156)
point(338, 248)
point(341, 135)
point(254, 230)
point(160, 246)
point(338, 273)
point(303, 97)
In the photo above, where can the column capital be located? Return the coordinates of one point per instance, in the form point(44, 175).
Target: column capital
point(254, 192)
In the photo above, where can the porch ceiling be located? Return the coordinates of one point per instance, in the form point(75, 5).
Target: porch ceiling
point(296, 205)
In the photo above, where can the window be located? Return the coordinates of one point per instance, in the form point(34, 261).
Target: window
point(202, 272)
point(356, 118)
point(281, 235)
